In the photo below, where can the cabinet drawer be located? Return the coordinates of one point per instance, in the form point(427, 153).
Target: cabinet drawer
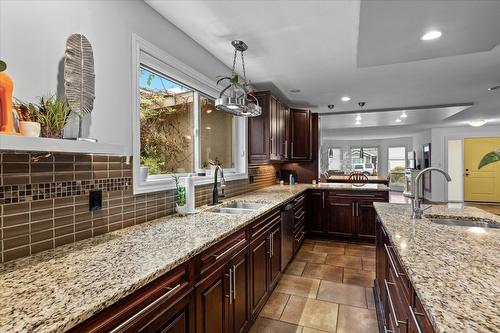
point(401, 278)
point(130, 313)
point(355, 195)
point(263, 224)
point(397, 310)
point(219, 253)
point(299, 200)
point(419, 319)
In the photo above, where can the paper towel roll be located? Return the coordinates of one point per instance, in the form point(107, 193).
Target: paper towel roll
point(190, 204)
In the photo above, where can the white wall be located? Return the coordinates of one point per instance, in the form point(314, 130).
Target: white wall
point(382, 145)
point(33, 37)
point(440, 137)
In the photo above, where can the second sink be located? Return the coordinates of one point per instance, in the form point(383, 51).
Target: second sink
point(238, 207)
point(465, 223)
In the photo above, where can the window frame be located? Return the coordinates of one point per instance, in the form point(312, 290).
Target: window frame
point(389, 159)
point(147, 54)
point(361, 147)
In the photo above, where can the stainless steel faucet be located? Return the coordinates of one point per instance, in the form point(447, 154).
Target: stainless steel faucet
point(416, 210)
point(215, 193)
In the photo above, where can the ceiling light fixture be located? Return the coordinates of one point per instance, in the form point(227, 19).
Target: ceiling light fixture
point(358, 117)
point(431, 35)
point(494, 88)
point(403, 115)
point(294, 91)
point(398, 120)
point(357, 122)
point(236, 98)
point(345, 99)
point(477, 123)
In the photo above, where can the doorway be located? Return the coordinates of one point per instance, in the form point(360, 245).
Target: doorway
point(481, 184)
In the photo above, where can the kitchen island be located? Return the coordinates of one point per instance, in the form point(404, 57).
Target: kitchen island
point(56, 290)
point(446, 275)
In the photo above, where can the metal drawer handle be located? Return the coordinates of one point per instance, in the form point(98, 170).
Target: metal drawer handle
point(398, 274)
point(391, 304)
point(218, 256)
point(230, 286)
point(355, 195)
point(415, 319)
point(234, 282)
point(387, 331)
point(145, 309)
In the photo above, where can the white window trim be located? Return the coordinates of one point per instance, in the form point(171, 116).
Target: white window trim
point(389, 159)
point(174, 68)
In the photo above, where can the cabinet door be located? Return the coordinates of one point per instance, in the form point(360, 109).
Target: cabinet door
point(259, 272)
point(340, 217)
point(283, 132)
point(258, 133)
point(316, 205)
point(275, 256)
point(212, 303)
point(176, 319)
point(274, 123)
point(365, 222)
point(300, 145)
point(239, 312)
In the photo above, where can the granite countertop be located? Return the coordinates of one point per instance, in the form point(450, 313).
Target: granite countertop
point(54, 290)
point(454, 270)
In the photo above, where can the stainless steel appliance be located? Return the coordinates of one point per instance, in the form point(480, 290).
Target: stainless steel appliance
point(286, 234)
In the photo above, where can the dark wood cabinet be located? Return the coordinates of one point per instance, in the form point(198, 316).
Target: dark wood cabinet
point(343, 214)
point(315, 212)
point(398, 307)
point(259, 132)
point(165, 305)
point(300, 135)
point(340, 217)
point(239, 305)
point(259, 255)
point(274, 256)
point(279, 134)
point(212, 302)
point(265, 259)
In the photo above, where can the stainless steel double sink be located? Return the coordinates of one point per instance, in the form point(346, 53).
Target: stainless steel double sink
point(238, 207)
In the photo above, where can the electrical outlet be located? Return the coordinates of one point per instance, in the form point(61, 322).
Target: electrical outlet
point(95, 200)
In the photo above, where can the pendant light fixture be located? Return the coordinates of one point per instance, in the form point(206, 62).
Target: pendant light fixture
point(236, 98)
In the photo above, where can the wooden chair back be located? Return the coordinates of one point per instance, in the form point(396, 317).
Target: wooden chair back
point(357, 178)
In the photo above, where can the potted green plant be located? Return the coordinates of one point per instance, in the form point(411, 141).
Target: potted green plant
point(491, 157)
point(27, 113)
point(180, 205)
point(53, 115)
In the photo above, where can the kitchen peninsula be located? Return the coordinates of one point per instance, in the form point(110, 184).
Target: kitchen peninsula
point(433, 277)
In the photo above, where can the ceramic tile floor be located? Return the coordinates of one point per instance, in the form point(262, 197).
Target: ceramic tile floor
point(328, 287)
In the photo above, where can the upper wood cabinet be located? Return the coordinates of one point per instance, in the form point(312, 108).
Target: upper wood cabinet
point(300, 135)
point(279, 133)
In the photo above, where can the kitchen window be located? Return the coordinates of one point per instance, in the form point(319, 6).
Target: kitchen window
point(364, 160)
point(177, 129)
point(396, 165)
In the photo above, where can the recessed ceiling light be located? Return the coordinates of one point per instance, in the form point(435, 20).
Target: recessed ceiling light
point(398, 120)
point(358, 117)
point(477, 123)
point(357, 122)
point(494, 88)
point(208, 127)
point(345, 99)
point(294, 91)
point(431, 35)
point(403, 115)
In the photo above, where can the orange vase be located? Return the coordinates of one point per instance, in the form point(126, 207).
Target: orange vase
point(6, 116)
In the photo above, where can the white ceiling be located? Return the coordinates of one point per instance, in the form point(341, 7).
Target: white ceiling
point(313, 46)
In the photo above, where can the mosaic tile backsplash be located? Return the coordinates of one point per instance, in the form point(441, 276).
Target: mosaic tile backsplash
point(45, 204)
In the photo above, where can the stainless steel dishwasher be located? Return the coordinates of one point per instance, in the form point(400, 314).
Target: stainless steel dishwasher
point(286, 234)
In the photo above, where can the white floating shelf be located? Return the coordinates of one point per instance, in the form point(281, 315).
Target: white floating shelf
point(23, 143)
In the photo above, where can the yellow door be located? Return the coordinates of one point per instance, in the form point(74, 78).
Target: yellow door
point(484, 184)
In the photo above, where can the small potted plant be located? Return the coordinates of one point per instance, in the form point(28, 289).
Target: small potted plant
point(53, 115)
point(180, 205)
point(27, 113)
